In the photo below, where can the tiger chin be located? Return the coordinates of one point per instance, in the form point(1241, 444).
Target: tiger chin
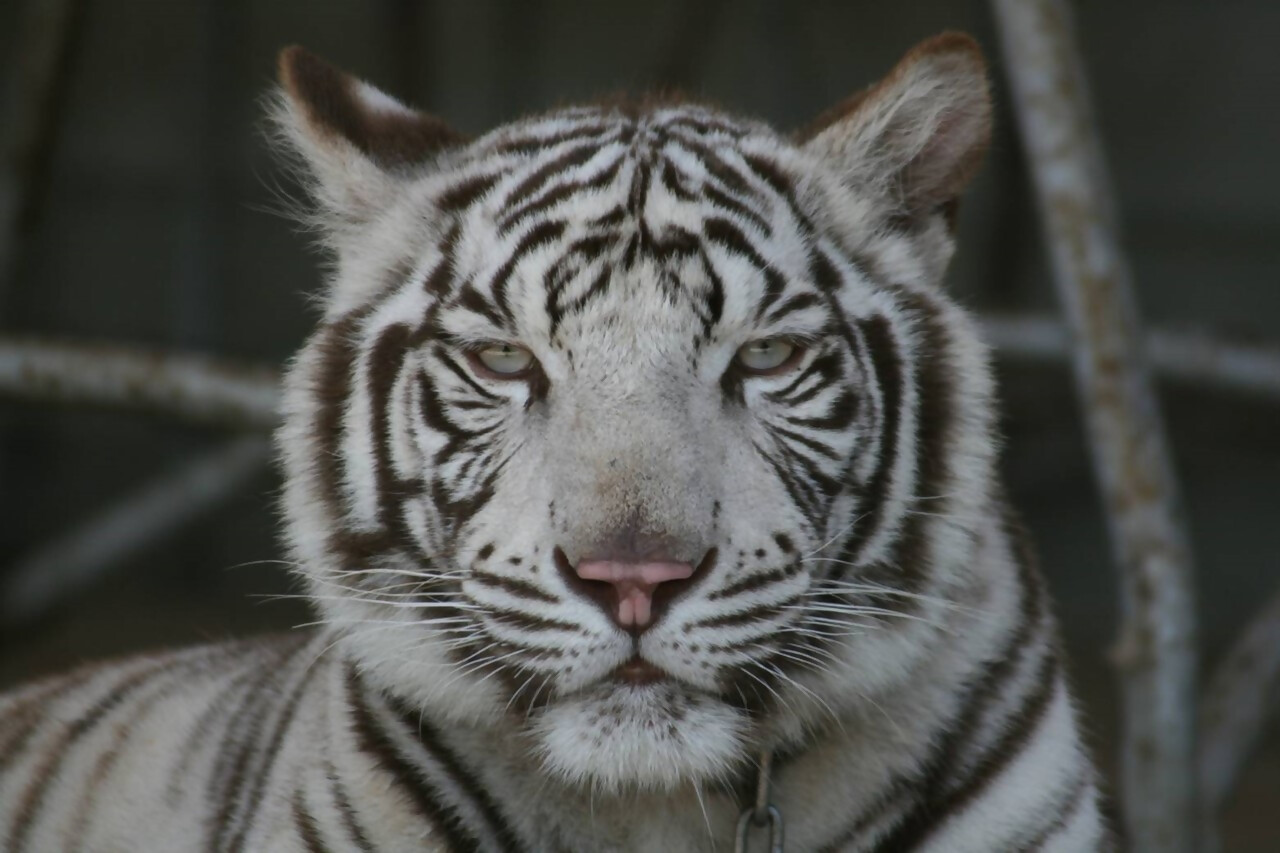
point(643, 476)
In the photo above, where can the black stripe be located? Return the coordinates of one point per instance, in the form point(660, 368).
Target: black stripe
point(773, 175)
point(539, 205)
point(725, 233)
point(949, 782)
point(176, 682)
point(542, 234)
point(27, 717)
point(548, 171)
point(247, 793)
point(937, 386)
point(733, 205)
point(840, 413)
point(821, 484)
point(704, 125)
point(439, 282)
point(886, 362)
point(461, 776)
point(540, 144)
point(811, 444)
point(825, 366)
point(715, 299)
point(464, 376)
point(512, 586)
point(1062, 813)
point(335, 355)
point(674, 182)
point(374, 742)
point(556, 311)
point(757, 613)
point(792, 305)
point(717, 167)
point(932, 811)
point(529, 622)
point(249, 690)
point(928, 788)
point(754, 581)
point(308, 828)
point(471, 299)
point(347, 813)
point(467, 191)
point(796, 488)
point(386, 360)
point(32, 798)
point(378, 744)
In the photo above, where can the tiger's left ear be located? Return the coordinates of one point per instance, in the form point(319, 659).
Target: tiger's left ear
point(356, 141)
point(917, 137)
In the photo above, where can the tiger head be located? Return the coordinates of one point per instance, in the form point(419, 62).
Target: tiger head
point(638, 429)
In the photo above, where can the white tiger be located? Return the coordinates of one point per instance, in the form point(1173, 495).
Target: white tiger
point(644, 477)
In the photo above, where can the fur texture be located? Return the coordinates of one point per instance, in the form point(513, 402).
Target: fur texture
point(861, 606)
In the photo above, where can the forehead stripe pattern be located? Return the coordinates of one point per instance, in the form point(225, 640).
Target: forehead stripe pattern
point(735, 187)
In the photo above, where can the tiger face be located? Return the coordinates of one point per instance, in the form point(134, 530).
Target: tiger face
point(618, 425)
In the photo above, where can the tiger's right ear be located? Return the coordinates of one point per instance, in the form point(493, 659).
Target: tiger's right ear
point(917, 137)
point(356, 141)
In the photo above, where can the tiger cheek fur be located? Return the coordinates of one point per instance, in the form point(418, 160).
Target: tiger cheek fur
point(635, 441)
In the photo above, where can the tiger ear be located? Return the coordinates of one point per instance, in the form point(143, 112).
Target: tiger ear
point(355, 140)
point(917, 137)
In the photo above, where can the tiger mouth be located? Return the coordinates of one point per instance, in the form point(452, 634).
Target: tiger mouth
point(639, 672)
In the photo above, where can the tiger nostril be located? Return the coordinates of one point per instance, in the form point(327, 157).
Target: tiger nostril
point(634, 593)
point(598, 591)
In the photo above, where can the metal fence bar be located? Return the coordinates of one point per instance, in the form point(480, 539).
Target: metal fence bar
point(1186, 356)
point(77, 558)
point(1243, 692)
point(1156, 652)
point(193, 388)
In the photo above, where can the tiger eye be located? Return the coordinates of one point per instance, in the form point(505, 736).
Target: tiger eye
point(765, 355)
point(505, 360)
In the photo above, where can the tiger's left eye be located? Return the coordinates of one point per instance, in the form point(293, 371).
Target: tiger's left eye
point(505, 361)
point(767, 356)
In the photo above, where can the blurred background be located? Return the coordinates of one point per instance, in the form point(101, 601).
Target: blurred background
point(149, 222)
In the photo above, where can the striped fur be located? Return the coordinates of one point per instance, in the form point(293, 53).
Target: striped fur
point(863, 607)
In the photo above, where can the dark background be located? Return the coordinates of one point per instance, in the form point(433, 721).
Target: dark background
point(153, 227)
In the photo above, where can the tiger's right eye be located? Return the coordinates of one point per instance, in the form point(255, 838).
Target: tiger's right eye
point(767, 356)
point(504, 361)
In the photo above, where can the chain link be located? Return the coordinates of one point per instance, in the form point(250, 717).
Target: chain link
point(761, 813)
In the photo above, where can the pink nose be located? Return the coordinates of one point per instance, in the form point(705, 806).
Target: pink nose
point(633, 585)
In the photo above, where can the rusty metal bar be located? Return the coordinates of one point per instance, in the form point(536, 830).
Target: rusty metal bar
point(1156, 652)
point(1186, 356)
point(1243, 692)
point(193, 388)
point(82, 555)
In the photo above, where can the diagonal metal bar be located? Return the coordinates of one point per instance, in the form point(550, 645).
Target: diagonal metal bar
point(79, 557)
point(1243, 692)
point(1156, 653)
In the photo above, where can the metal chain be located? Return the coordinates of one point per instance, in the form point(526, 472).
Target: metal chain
point(761, 814)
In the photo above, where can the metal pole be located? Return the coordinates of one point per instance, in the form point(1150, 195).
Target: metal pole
point(1156, 653)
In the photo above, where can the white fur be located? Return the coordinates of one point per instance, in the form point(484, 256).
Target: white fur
point(504, 666)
